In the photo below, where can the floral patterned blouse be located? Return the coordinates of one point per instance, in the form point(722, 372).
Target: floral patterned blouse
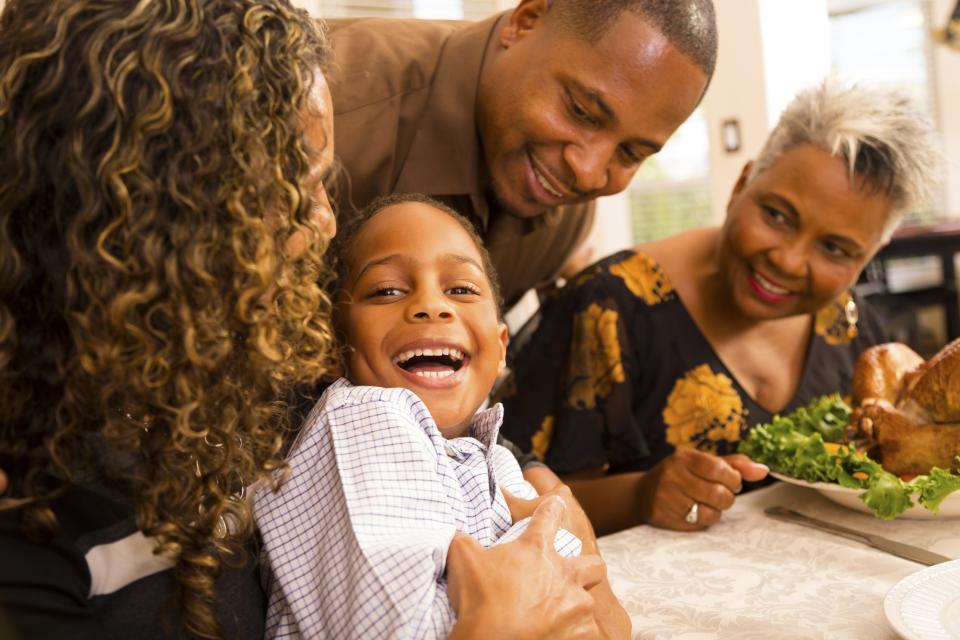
point(617, 374)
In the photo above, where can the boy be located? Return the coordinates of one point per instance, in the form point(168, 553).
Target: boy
point(389, 465)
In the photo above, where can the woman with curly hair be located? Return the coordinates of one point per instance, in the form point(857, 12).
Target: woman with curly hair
point(162, 227)
point(154, 321)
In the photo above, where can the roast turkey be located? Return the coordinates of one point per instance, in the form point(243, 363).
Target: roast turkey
point(907, 410)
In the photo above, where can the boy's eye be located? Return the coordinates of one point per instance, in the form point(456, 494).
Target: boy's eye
point(386, 292)
point(463, 290)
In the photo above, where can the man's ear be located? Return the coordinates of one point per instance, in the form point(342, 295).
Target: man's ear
point(504, 341)
point(741, 183)
point(524, 18)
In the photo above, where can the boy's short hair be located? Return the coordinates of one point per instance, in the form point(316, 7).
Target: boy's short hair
point(347, 234)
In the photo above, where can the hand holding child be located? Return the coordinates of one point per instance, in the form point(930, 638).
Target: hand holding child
point(574, 519)
point(611, 617)
point(523, 588)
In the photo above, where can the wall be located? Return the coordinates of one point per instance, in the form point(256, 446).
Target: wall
point(769, 50)
point(947, 82)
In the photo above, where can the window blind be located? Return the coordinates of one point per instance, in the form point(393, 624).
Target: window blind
point(889, 45)
point(671, 191)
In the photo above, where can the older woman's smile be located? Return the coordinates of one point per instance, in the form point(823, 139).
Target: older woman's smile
point(766, 288)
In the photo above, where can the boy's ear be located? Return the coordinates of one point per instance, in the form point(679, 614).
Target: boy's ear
point(504, 341)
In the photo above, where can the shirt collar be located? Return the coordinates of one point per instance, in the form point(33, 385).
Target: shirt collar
point(480, 440)
point(447, 131)
point(486, 425)
point(484, 428)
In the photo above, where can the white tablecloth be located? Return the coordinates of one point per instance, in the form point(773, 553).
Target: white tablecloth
point(751, 576)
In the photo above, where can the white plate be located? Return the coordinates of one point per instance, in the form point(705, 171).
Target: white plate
point(850, 498)
point(926, 605)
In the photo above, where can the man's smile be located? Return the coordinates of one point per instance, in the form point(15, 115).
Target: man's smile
point(545, 187)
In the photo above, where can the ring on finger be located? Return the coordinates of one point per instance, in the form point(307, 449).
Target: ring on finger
point(693, 514)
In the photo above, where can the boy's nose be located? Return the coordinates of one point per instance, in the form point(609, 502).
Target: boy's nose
point(426, 315)
point(430, 308)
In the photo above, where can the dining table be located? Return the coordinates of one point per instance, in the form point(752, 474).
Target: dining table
point(752, 576)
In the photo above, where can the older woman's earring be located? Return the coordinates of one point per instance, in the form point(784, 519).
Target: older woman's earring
point(851, 314)
point(837, 322)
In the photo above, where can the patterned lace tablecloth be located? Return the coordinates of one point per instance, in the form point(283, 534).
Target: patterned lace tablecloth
point(751, 576)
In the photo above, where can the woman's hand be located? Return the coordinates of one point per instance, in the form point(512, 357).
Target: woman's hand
point(574, 519)
point(524, 588)
point(669, 490)
point(611, 617)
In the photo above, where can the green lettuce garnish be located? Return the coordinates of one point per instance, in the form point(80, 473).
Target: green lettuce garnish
point(936, 486)
point(887, 495)
point(794, 445)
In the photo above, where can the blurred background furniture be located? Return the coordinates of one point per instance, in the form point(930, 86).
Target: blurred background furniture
point(914, 275)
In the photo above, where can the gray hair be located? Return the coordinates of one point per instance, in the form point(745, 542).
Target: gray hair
point(887, 142)
point(690, 25)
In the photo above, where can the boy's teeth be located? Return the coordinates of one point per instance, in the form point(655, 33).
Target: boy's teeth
point(434, 374)
point(450, 352)
point(546, 185)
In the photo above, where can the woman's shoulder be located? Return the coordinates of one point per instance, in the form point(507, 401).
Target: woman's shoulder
point(634, 274)
point(68, 568)
point(676, 252)
point(98, 576)
point(663, 269)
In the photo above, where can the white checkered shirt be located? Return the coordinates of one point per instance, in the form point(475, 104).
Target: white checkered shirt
point(355, 542)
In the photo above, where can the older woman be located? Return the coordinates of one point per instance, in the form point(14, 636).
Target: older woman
point(649, 366)
point(162, 226)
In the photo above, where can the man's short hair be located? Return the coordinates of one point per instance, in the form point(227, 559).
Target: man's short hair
point(691, 25)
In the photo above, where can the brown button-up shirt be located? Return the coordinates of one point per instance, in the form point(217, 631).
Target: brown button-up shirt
point(404, 97)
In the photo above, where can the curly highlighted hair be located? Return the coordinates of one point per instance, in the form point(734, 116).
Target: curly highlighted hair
point(153, 332)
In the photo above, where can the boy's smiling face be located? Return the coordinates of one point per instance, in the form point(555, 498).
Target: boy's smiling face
point(419, 313)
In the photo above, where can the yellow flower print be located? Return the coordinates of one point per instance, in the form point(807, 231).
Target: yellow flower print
point(703, 410)
point(595, 364)
point(540, 442)
point(644, 278)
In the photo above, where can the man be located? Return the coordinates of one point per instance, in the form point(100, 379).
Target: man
point(520, 121)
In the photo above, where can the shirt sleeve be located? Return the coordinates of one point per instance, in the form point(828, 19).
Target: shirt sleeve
point(525, 460)
point(509, 477)
point(356, 540)
point(43, 587)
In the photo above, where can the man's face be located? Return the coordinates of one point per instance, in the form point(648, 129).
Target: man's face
point(564, 120)
point(419, 313)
